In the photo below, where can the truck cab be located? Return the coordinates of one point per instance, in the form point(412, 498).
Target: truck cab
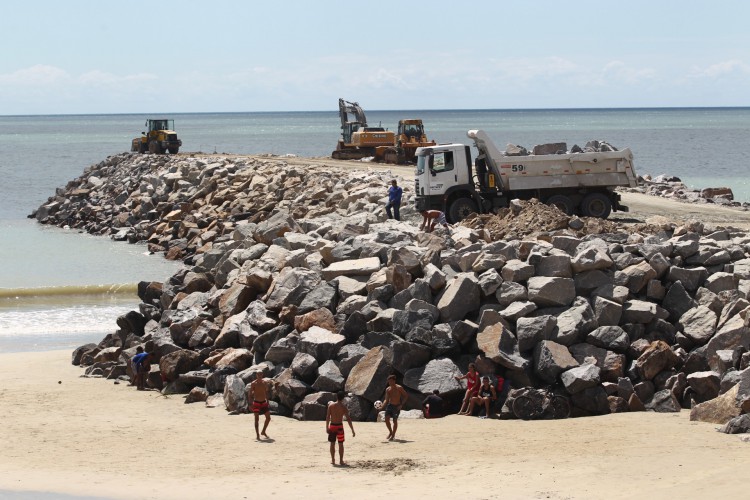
point(444, 181)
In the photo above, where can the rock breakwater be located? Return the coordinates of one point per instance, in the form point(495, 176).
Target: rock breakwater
point(294, 272)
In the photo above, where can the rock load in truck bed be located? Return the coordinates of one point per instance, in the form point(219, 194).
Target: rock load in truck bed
point(559, 148)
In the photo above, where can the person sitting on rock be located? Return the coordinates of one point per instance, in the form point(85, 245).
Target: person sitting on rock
point(133, 367)
point(472, 383)
point(486, 395)
point(432, 406)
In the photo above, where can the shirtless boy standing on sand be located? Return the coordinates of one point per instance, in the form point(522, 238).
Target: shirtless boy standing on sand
point(335, 426)
point(256, 393)
point(395, 397)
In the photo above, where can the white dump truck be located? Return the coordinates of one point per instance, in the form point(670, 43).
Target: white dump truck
point(583, 183)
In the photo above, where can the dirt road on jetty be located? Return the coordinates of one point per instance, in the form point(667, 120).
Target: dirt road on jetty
point(642, 206)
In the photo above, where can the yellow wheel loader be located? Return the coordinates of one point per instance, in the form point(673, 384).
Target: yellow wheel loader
point(159, 139)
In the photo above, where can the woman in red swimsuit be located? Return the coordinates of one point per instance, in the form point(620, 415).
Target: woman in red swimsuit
point(472, 387)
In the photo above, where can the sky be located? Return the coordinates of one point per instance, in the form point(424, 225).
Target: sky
point(112, 56)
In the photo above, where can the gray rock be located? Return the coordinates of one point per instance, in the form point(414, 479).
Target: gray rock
point(737, 425)
point(531, 330)
point(581, 377)
point(698, 324)
point(510, 292)
point(368, 377)
point(551, 292)
point(664, 402)
point(593, 400)
point(517, 271)
point(404, 356)
point(437, 374)
point(234, 394)
point(314, 406)
point(705, 384)
point(462, 296)
point(551, 359)
point(691, 279)
point(329, 378)
point(499, 344)
point(291, 287)
point(638, 311)
point(304, 366)
point(320, 343)
point(607, 312)
point(609, 337)
point(575, 323)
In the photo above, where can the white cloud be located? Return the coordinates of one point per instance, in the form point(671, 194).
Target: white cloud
point(733, 67)
point(39, 74)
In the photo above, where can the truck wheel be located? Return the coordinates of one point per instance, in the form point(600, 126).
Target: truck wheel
point(562, 202)
point(460, 209)
point(596, 205)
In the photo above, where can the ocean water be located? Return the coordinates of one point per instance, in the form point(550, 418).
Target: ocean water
point(60, 288)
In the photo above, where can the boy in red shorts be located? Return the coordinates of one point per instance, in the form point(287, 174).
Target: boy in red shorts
point(335, 426)
point(258, 396)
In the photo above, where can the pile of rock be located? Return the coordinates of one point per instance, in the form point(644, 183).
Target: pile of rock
point(181, 204)
point(672, 187)
point(617, 321)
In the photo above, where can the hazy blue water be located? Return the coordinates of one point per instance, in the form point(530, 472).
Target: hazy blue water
point(705, 147)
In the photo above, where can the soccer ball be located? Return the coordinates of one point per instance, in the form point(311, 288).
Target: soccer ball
point(378, 405)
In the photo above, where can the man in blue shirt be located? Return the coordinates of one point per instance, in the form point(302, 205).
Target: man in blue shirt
point(394, 201)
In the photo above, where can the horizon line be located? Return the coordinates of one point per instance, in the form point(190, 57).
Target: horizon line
point(637, 108)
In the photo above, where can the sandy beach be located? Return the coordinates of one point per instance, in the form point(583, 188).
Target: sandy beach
point(90, 437)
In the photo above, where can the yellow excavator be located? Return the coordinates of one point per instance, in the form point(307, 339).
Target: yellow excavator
point(358, 140)
point(159, 139)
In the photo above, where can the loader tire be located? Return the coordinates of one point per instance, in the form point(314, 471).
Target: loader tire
point(154, 147)
point(596, 205)
point(174, 150)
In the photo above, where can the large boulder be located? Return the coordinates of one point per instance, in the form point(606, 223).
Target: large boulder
point(275, 226)
point(437, 374)
point(613, 338)
point(655, 359)
point(178, 362)
point(705, 384)
point(461, 296)
point(581, 377)
point(664, 401)
point(352, 267)
point(551, 359)
point(368, 377)
point(291, 287)
point(314, 406)
point(575, 323)
point(235, 397)
point(320, 343)
point(404, 356)
point(698, 324)
point(718, 410)
point(499, 344)
point(304, 366)
point(530, 330)
point(551, 292)
point(329, 378)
